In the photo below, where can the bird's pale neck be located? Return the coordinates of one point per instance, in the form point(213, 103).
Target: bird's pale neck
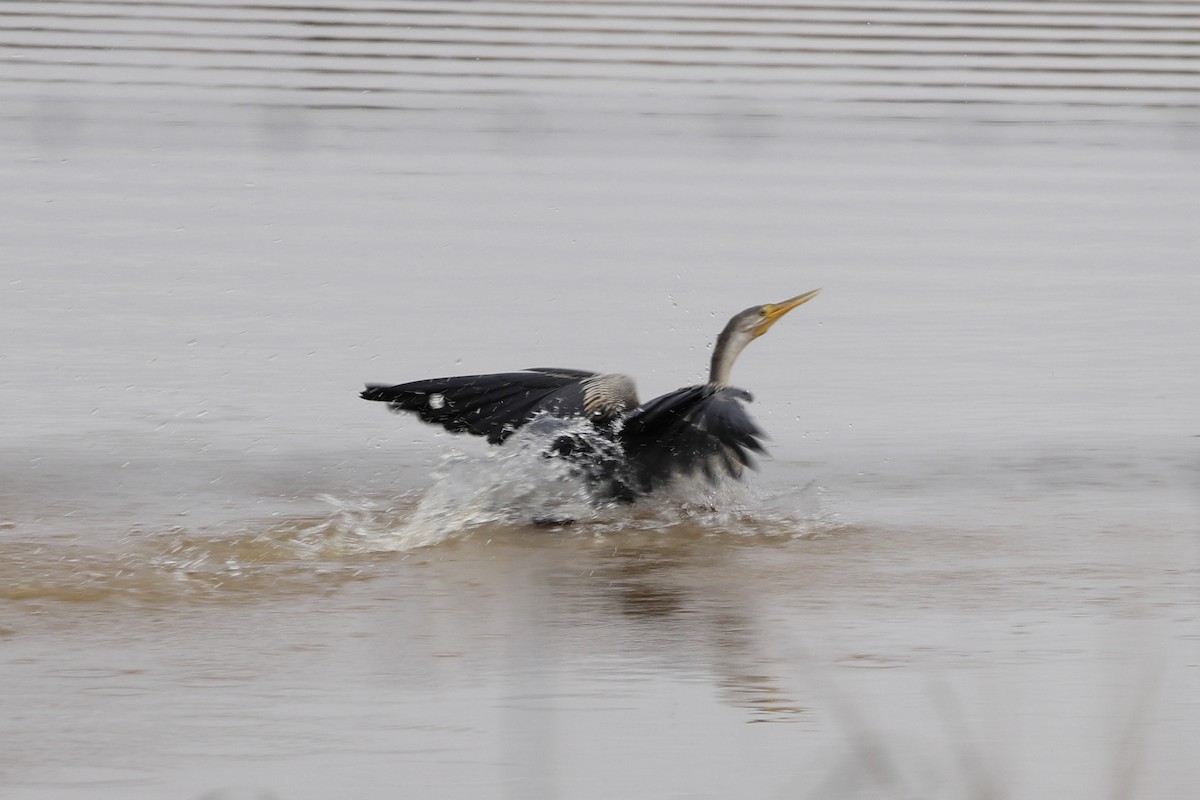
point(729, 346)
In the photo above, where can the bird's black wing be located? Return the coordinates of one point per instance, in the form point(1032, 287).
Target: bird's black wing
point(701, 429)
point(496, 405)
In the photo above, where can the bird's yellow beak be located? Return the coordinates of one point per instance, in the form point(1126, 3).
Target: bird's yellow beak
point(774, 311)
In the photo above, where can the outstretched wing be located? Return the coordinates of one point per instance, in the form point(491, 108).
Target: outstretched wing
point(696, 429)
point(496, 405)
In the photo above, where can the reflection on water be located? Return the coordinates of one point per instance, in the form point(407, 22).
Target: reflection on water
point(509, 650)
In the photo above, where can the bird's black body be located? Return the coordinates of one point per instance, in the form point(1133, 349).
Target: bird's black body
point(628, 450)
point(622, 448)
point(701, 429)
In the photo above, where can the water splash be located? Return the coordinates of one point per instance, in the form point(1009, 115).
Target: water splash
point(517, 490)
point(514, 493)
point(511, 487)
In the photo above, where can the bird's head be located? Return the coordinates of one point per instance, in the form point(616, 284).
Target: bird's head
point(757, 320)
point(747, 326)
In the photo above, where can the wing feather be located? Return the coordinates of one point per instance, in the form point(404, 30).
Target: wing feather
point(497, 404)
point(697, 429)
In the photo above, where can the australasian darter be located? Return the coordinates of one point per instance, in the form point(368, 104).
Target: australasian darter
point(630, 448)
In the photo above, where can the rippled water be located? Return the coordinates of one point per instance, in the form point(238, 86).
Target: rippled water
point(297, 75)
point(969, 570)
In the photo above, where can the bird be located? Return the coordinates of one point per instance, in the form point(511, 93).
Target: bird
point(623, 448)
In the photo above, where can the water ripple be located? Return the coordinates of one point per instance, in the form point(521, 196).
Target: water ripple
point(1091, 63)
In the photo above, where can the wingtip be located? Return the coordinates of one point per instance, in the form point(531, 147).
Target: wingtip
point(372, 392)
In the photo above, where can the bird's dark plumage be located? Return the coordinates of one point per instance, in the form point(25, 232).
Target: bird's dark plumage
point(701, 429)
point(496, 405)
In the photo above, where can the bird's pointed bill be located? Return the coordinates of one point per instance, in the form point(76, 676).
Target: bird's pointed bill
point(775, 311)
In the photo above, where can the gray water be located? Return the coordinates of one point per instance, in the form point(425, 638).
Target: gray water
point(969, 570)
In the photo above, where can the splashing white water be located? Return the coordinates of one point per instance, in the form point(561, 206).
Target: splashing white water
point(517, 487)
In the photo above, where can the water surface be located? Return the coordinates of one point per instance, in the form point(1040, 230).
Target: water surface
point(969, 569)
